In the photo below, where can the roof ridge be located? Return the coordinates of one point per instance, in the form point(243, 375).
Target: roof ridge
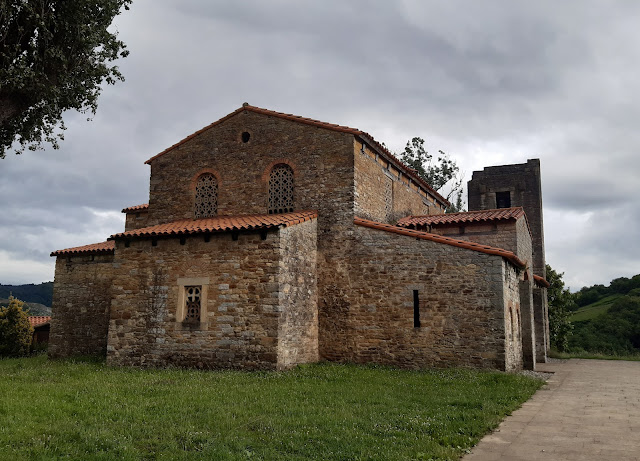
point(508, 255)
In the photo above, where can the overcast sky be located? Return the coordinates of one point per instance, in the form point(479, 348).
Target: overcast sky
point(489, 82)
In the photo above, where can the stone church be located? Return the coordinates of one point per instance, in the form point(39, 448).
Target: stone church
point(271, 240)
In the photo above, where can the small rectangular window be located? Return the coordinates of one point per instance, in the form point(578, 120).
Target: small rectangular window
point(416, 309)
point(503, 199)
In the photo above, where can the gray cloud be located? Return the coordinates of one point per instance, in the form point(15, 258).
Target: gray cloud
point(489, 82)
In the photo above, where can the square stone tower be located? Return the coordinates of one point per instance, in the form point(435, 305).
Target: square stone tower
point(516, 185)
point(508, 186)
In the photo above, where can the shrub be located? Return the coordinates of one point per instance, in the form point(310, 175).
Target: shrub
point(16, 332)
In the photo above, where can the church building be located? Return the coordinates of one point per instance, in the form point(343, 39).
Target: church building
point(271, 240)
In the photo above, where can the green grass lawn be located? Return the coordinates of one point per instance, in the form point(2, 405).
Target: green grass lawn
point(591, 311)
point(87, 411)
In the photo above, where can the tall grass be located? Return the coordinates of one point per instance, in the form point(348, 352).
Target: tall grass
point(87, 411)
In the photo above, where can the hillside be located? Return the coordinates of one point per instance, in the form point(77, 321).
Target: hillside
point(610, 326)
point(593, 310)
point(41, 293)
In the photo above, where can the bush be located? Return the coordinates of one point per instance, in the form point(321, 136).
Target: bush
point(16, 332)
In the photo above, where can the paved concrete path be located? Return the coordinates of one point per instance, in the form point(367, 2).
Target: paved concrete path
point(589, 410)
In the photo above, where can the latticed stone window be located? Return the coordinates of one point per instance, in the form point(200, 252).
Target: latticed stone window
point(193, 301)
point(281, 189)
point(206, 201)
point(388, 197)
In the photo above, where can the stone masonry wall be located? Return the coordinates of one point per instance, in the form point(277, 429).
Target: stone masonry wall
point(509, 235)
point(323, 165)
point(298, 322)
point(461, 302)
point(136, 220)
point(513, 318)
point(240, 302)
point(383, 193)
point(81, 302)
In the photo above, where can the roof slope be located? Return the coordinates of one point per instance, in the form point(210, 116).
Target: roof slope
point(129, 209)
point(329, 126)
point(463, 217)
point(94, 248)
point(37, 320)
point(219, 224)
point(508, 255)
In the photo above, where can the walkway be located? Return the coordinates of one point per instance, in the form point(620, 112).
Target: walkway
point(589, 410)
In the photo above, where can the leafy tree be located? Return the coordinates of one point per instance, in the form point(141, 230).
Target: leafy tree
point(438, 172)
point(16, 332)
point(54, 55)
point(561, 304)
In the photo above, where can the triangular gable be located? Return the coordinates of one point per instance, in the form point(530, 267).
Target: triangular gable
point(363, 136)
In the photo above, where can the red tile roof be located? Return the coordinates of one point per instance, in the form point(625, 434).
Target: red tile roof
point(143, 207)
point(508, 255)
point(330, 126)
point(463, 217)
point(37, 320)
point(220, 224)
point(541, 282)
point(94, 248)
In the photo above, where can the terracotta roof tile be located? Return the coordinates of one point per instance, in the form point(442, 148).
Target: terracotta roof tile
point(330, 126)
point(143, 207)
point(463, 217)
point(219, 224)
point(37, 320)
point(541, 282)
point(94, 248)
point(508, 255)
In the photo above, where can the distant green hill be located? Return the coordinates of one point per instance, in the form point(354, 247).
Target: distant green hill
point(591, 311)
point(610, 326)
point(31, 308)
point(41, 293)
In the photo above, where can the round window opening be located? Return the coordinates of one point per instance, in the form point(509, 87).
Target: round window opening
point(246, 136)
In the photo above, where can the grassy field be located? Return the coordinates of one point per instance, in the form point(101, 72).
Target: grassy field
point(87, 411)
point(591, 311)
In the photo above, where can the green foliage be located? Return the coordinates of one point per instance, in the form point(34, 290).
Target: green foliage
point(615, 332)
point(87, 411)
point(437, 172)
point(561, 303)
point(621, 285)
point(41, 293)
point(54, 56)
point(16, 332)
point(591, 311)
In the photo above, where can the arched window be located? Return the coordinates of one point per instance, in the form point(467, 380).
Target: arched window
point(281, 189)
point(206, 200)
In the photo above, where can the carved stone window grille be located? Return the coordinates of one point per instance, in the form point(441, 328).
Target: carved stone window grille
point(281, 189)
point(192, 299)
point(388, 197)
point(206, 201)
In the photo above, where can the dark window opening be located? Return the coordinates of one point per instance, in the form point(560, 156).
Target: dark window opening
point(246, 136)
point(416, 309)
point(154, 242)
point(503, 199)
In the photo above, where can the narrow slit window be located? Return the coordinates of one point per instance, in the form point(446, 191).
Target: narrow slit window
point(416, 309)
